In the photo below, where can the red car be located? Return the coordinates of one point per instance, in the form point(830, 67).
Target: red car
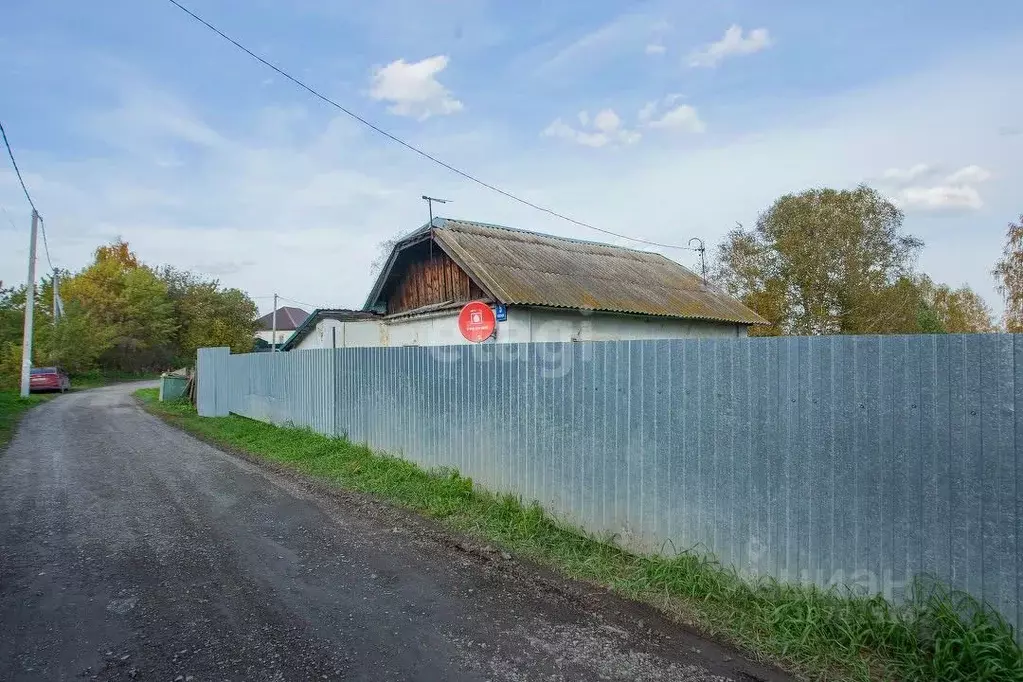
point(48, 379)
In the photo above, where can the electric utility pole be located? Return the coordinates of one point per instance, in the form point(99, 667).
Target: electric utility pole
point(273, 324)
point(30, 299)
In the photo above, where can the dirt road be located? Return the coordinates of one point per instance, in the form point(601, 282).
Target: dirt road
point(129, 550)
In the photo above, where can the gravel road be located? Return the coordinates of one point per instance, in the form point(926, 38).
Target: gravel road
point(131, 551)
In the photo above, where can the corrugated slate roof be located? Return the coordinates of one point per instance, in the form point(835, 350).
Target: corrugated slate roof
point(287, 318)
point(528, 268)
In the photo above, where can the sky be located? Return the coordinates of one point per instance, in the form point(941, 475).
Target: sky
point(662, 120)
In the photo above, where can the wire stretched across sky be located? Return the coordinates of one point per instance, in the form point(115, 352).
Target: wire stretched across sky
point(9, 218)
point(291, 300)
point(413, 148)
point(46, 245)
point(17, 171)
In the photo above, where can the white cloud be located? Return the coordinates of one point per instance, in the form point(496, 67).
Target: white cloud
point(293, 197)
point(560, 129)
point(683, 117)
point(606, 129)
point(606, 121)
point(413, 89)
point(907, 174)
point(297, 196)
point(606, 126)
point(648, 110)
point(918, 187)
point(733, 43)
point(655, 48)
point(940, 197)
point(969, 174)
point(149, 122)
point(629, 136)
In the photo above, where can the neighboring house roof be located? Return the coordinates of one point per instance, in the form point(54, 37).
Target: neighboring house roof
point(340, 314)
point(287, 318)
point(518, 267)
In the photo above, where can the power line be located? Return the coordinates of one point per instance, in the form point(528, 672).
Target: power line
point(9, 218)
point(413, 148)
point(17, 171)
point(291, 300)
point(46, 246)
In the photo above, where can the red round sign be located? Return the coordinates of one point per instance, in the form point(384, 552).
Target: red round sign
point(476, 321)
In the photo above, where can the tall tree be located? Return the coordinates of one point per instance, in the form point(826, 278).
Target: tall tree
point(130, 303)
point(959, 311)
point(208, 315)
point(76, 341)
point(824, 261)
point(384, 249)
point(10, 366)
point(12, 314)
point(122, 314)
point(1009, 273)
point(12, 318)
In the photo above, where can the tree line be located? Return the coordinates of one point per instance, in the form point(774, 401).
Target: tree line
point(823, 261)
point(121, 315)
point(828, 261)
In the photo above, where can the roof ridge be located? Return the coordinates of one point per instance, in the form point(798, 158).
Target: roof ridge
point(545, 235)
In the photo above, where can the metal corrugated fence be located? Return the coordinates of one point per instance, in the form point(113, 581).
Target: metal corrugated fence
point(851, 460)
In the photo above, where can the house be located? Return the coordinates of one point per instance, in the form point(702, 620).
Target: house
point(288, 320)
point(547, 288)
point(338, 328)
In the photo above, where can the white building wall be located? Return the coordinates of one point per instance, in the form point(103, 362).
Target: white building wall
point(268, 335)
point(522, 326)
point(538, 324)
point(348, 334)
point(436, 329)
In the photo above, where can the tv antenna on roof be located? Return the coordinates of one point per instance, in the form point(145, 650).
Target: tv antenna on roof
point(703, 256)
point(429, 201)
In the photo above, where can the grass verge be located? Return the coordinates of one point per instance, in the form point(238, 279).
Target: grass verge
point(12, 406)
point(820, 634)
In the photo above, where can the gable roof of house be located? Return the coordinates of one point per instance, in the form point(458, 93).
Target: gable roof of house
point(517, 267)
point(287, 318)
point(340, 314)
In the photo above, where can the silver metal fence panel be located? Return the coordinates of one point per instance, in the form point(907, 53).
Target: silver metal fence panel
point(1017, 445)
point(832, 460)
point(205, 386)
point(213, 381)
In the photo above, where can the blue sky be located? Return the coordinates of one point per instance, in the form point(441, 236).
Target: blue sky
point(662, 120)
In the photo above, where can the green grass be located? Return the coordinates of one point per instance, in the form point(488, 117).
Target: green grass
point(819, 634)
point(12, 406)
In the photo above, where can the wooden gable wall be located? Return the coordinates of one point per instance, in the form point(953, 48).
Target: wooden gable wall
point(434, 279)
